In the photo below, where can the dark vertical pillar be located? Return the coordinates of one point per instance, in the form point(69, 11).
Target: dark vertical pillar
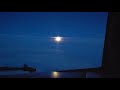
point(111, 55)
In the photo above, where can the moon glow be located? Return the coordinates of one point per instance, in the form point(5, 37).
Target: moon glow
point(58, 39)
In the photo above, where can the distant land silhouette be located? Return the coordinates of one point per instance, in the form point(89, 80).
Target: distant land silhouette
point(99, 69)
point(24, 68)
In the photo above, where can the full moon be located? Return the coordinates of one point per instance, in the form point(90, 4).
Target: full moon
point(58, 39)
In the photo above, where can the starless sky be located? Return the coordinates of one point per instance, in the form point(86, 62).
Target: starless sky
point(25, 38)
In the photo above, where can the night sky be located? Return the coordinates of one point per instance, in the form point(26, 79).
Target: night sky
point(25, 38)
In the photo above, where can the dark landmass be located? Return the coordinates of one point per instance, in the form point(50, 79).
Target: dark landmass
point(84, 70)
point(25, 68)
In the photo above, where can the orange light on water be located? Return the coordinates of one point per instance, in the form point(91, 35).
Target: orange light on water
point(55, 74)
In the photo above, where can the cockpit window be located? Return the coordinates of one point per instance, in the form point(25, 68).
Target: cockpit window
point(50, 41)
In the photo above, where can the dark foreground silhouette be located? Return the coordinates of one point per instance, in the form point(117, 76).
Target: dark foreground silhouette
point(84, 73)
point(24, 68)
